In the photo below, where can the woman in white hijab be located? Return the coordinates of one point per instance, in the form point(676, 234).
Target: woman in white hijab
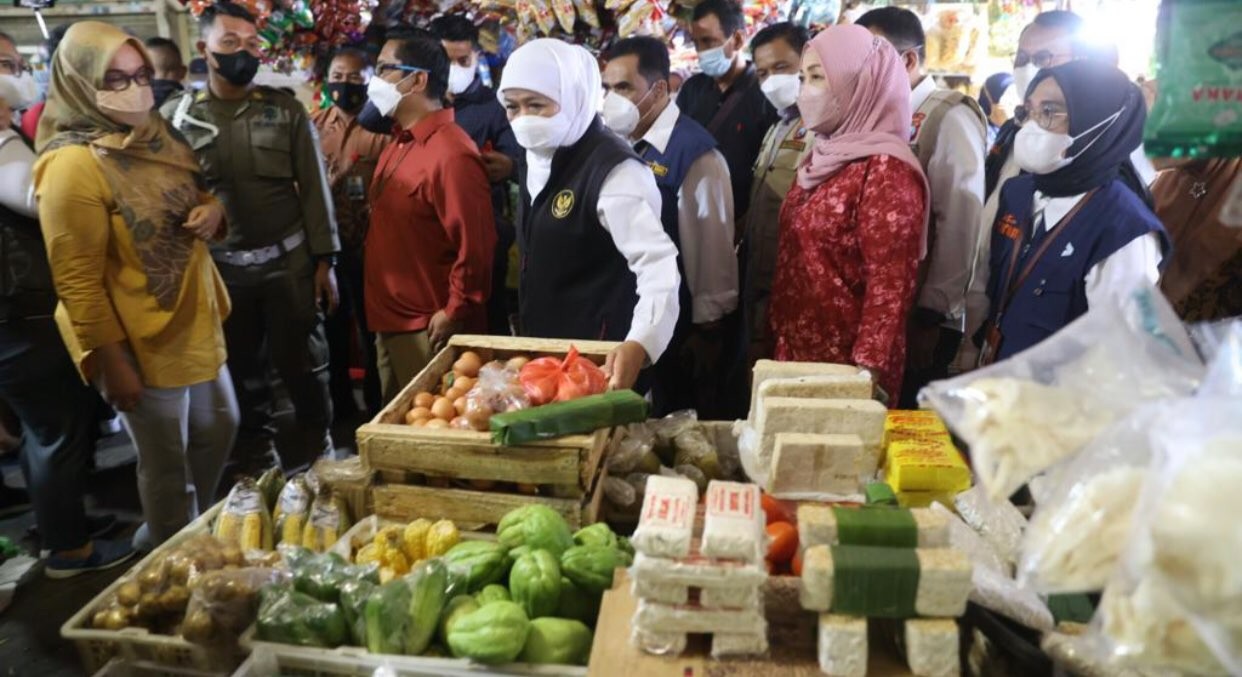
point(596, 263)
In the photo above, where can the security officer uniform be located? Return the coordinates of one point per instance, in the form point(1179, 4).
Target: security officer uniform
point(260, 156)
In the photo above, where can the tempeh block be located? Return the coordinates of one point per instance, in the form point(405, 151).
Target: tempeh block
point(944, 581)
point(817, 525)
point(842, 645)
point(932, 647)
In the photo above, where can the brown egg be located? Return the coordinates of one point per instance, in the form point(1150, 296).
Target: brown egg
point(468, 364)
point(516, 363)
point(424, 400)
point(443, 409)
point(465, 383)
point(460, 405)
point(438, 423)
point(417, 414)
point(460, 423)
point(453, 393)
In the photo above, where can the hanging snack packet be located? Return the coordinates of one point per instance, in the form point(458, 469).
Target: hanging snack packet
point(292, 509)
point(1197, 111)
point(329, 520)
point(244, 520)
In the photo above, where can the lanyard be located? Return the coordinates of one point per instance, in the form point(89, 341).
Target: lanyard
point(1012, 284)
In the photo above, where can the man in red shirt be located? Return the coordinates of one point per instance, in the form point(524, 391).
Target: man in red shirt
point(428, 253)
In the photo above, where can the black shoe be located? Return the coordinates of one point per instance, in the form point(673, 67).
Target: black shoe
point(13, 501)
point(99, 526)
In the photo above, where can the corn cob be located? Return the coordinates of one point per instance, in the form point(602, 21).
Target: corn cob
point(228, 527)
point(251, 532)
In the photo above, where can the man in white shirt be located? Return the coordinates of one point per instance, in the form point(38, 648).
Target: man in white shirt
point(696, 212)
point(948, 133)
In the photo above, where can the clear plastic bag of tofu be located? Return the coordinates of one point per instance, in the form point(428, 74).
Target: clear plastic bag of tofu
point(1082, 521)
point(997, 522)
point(1021, 416)
point(1220, 343)
point(1174, 601)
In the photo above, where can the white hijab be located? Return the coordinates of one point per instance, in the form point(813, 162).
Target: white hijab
point(568, 75)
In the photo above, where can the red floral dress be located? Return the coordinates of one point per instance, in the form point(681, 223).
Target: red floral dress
point(846, 268)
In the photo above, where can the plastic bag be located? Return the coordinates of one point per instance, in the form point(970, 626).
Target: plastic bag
point(549, 379)
point(244, 519)
point(1196, 108)
point(292, 510)
point(635, 449)
point(1023, 415)
point(353, 603)
point(1178, 587)
point(224, 603)
point(496, 391)
point(1082, 521)
point(998, 522)
point(1221, 345)
point(328, 521)
point(291, 617)
point(322, 575)
point(619, 492)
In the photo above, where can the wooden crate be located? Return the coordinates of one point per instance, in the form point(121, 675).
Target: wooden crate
point(427, 472)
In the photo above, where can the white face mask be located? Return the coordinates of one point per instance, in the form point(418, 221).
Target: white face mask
point(130, 106)
point(1039, 151)
point(714, 62)
point(1022, 77)
point(781, 90)
point(460, 78)
point(537, 133)
point(620, 114)
point(19, 91)
point(385, 95)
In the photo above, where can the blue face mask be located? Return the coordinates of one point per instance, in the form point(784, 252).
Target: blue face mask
point(714, 63)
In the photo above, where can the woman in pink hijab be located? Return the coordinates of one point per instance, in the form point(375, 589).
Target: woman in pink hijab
point(852, 227)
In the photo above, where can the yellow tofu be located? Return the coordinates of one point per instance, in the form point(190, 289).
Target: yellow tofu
point(928, 464)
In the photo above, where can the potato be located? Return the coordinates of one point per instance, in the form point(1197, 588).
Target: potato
point(233, 555)
point(198, 626)
point(151, 578)
point(148, 606)
point(180, 566)
point(129, 593)
point(116, 619)
point(174, 598)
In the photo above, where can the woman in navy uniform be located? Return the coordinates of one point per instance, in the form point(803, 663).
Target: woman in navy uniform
point(1074, 230)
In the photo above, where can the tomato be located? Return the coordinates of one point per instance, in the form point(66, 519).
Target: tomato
point(773, 509)
point(796, 566)
point(784, 541)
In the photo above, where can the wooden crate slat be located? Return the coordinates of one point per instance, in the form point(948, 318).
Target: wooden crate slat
point(534, 465)
point(403, 502)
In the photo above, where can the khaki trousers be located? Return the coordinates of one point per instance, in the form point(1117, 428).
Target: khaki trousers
point(400, 356)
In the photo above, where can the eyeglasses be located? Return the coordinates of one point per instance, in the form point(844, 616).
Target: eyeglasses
point(119, 81)
point(1042, 59)
point(10, 66)
point(385, 68)
point(1045, 116)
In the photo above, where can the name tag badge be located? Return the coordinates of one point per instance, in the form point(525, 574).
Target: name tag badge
point(354, 188)
point(797, 146)
point(1008, 227)
point(658, 169)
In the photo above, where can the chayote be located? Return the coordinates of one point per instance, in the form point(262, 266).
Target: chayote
point(495, 633)
point(493, 593)
point(557, 640)
point(596, 534)
point(590, 567)
point(474, 564)
point(535, 582)
point(538, 526)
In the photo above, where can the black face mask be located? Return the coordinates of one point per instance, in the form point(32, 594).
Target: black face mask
point(238, 68)
point(162, 89)
point(348, 96)
point(371, 120)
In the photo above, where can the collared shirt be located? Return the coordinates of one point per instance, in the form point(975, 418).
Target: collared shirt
point(350, 154)
point(740, 134)
point(432, 234)
point(262, 160)
point(16, 179)
point(955, 175)
point(629, 209)
point(705, 224)
point(1110, 281)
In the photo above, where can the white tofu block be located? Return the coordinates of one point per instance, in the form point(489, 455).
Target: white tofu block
point(817, 525)
point(856, 385)
point(843, 645)
point(733, 522)
point(932, 648)
point(805, 463)
point(766, 370)
point(664, 593)
point(864, 418)
point(739, 644)
point(659, 643)
point(943, 589)
point(666, 523)
point(697, 572)
point(729, 597)
point(666, 618)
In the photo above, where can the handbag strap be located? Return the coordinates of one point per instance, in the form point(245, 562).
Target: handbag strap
point(733, 98)
point(1012, 283)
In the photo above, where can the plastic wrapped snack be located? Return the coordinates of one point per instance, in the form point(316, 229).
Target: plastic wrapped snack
point(224, 603)
point(697, 572)
point(667, 519)
point(1024, 414)
point(998, 522)
point(328, 521)
point(1178, 587)
point(1082, 522)
point(244, 519)
point(733, 522)
point(653, 616)
point(292, 510)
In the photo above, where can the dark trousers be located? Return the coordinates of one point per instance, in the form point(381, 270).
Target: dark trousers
point(498, 302)
point(276, 323)
point(348, 327)
point(58, 427)
point(916, 379)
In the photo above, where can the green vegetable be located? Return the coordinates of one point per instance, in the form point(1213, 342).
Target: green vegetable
point(557, 640)
point(583, 415)
point(596, 534)
point(354, 595)
point(387, 616)
point(535, 582)
point(495, 633)
point(290, 617)
point(493, 593)
point(321, 575)
point(535, 525)
point(577, 603)
point(474, 564)
point(590, 567)
point(427, 582)
point(456, 608)
point(624, 545)
point(517, 552)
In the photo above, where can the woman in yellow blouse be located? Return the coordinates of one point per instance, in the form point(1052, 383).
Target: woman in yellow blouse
point(125, 217)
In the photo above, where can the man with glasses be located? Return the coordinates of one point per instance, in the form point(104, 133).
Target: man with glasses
point(948, 134)
point(350, 153)
point(429, 251)
point(18, 89)
point(260, 156)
